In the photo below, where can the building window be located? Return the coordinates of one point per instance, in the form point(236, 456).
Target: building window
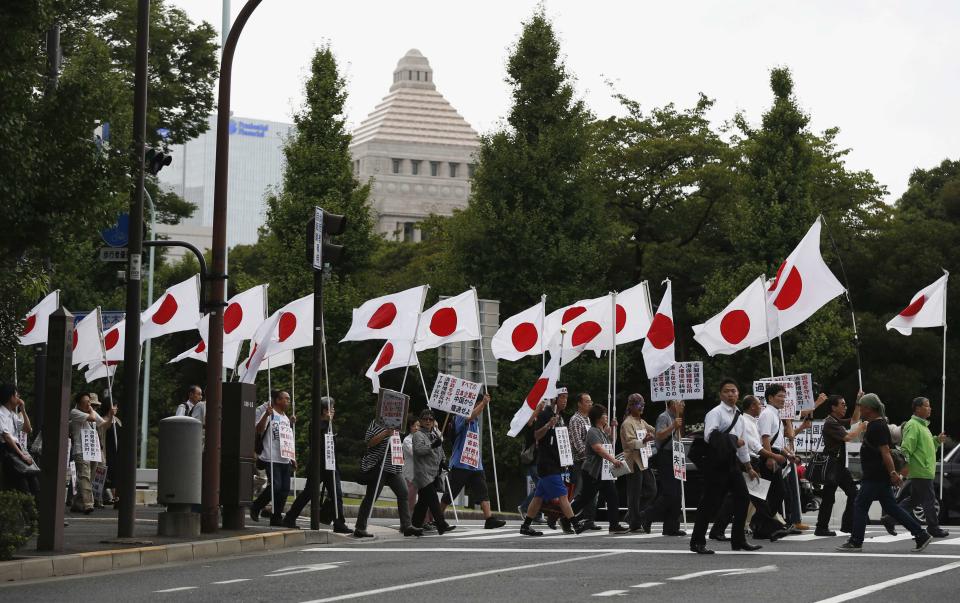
point(434, 168)
point(453, 169)
point(409, 75)
point(408, 229)
point(471, 169)
point(415, 167)
point(396, 166)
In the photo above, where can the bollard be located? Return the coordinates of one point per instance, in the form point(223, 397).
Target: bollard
point(179, 476)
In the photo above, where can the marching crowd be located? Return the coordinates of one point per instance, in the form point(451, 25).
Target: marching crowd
point(745, 443)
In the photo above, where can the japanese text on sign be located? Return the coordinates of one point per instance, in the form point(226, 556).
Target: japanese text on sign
point(285, 437)
point(789, 409)
point(392, 408)
point(329, 452)
point(606, 469)
point(563, 445)
point(682, 381)
point(679, 461)
point(90, 442)
point(809, 439)
point(99, 480)
point(396, 450)
point(454, 395)
point(471, 450)
point(803, 384)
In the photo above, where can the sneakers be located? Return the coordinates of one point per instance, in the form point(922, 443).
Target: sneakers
point(527, 530)
point(492, 523)
point(850, 547)
point(922, 541)
point(567, 526)
point(889, 524)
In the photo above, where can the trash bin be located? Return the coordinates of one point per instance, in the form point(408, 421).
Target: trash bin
point(179, 475)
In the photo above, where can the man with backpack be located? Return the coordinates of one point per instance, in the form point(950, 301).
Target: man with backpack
point(271, 419)
point(722, 467)
point(194, 406)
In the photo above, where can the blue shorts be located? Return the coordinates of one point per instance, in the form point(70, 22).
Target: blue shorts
point(550, 487)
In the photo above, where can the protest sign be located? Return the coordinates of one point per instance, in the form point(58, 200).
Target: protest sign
point(809, 439)
point(679, 461)
point(396, 450)
point(563, 445)
point(471, 449)
point(682, 381)
point(454, 395)
point(73, 476)
point(285, 437)
point(803, 386)
point(90, 444)
point(99, 480)
point(392, 408)
point(606, 469)
point(329, 452)
point(645, 448)
point(789, 410)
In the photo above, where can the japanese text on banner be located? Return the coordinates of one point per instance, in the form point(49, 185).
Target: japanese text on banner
point(285, 436)
point(471, 450)
point(563, 445)
point(454, 395)
point(682, 381)
point(789, 409)
point(329, 452)
point(99, 480)
point(392, 408)
point(90, 442)
point(396, 451)
point(679, 461)
point(803, 385)
point(606, 469)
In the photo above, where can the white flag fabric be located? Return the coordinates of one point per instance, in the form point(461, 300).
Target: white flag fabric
point(632, 322)
point(520, 335)
point(583, 322)
point(259, 348)
point(37, 320)
point(544, 389)
point(803, 285)
point(87, 345)
point(114, 339)
point(392, 316)
point(741, 325)
point(394, 354)
point(658, 348)
point(449, 320)
point(178, 309)
point(199, 352)
point(99, 370)
point(926, 309)
point(294, 327)
point(270, 362)
point(245, 312)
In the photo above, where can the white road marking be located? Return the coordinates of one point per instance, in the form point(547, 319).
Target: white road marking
point(566, 551)
point(727, 572)
point(234, 581)
point(611, 593)
point(866, 590)
point(422, 583)
point(303, 569)
point(173, 590)
point(949, 541)
point(641, 536)
point(888, 538)
point(647, 584)
point(803, 538)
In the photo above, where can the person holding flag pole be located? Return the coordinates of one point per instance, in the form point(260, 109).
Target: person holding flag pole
point(486, 392)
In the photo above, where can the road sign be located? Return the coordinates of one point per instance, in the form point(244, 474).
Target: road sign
point(318, 239)
point(113, 254)
point(117, 235)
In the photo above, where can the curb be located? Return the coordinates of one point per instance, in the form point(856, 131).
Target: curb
point(148, 556)
point(350, 511)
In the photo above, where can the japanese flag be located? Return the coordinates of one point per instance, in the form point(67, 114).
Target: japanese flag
point(270, 362)
point(803, 285)
point(113, 341)
point(38, 319)
point(658, 351)
point(259, 348)
point(520, 335)
point(244, 313)
point(294, 327)
point(928, 308)
point(178, 309)
point(87, 345)
point(453, 319)
point(394, 354)
point(99, 370)
point(199, 352)
point(389, 317)
point(577, 326)
point(544, 389)
point(742, 324)
point(633, 318)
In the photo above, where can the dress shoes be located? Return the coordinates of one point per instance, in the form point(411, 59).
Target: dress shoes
point(824, 532)
point(777, 535)
point(700, 549)
point(677, 533)
point(746, 546)
point(718, 537)
point(358, 533)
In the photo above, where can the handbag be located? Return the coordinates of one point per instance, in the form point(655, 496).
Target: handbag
point(19, 466)
point(528, 455)
point(818, 467)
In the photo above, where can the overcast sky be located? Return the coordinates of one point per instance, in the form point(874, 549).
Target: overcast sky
point(885, 73)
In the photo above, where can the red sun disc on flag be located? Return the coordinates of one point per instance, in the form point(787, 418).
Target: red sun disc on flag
point(385, 357)
point(585, 333)
point(287, 325)
point(791, 290)
point(735, 326)
point(661, 331)
point(383, 317)
point(30, 323)
point(111, 339)
point(250, 357)
point(443, 322)
point(536, 393)
point(168, 307)
point(776, 280)
point(524, 336)
point(914, 307)
point(621, 318)
point(571, 313)
point(232, 317)
point(76, 338)
point(200, 347)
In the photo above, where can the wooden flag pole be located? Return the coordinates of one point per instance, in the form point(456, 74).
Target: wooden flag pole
point(486, 390)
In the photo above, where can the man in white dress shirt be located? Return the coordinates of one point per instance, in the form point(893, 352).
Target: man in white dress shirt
point(772, 436)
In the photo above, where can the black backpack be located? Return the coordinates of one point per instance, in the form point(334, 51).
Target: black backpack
point(702, 452)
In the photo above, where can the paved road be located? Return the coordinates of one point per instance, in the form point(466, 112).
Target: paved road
point(472, 564)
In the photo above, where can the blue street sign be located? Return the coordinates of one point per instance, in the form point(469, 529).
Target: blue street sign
point(117, 235)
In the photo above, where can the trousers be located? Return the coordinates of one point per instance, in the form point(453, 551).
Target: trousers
point(427, 499)
point(922, 495)
point(717, 483)
point(666, 506)
point(334, 491)
point(839, 478)
point(882, 492)
point(641, 490)
point(398, 485)
point(278, 488)
point(588, 496)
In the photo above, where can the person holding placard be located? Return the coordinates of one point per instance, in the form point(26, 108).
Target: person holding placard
point(86, 449)
point(550, 468)
point(273, 425)
point(427, 465)
point(598, 457)
point(669, 499)
point(377, 470)
point(466, 464)
point(835, 474)
point(637, 436)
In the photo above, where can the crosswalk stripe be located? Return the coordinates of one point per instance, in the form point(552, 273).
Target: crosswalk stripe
point(803, 538)
point(953, 541)
point(889, 538)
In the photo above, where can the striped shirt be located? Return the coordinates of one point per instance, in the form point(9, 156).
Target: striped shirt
point(374, 456)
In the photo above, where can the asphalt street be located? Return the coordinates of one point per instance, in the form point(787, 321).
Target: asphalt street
point(473, 564)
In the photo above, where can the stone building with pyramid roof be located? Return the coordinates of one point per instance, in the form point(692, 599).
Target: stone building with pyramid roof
point(417, 150)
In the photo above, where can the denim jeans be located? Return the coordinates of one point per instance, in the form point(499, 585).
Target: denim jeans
point(881, 491)
point(279, 488)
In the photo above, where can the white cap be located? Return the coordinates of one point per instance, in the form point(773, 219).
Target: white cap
point(561, 391)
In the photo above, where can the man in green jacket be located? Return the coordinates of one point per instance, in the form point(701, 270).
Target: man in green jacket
point(920, 447)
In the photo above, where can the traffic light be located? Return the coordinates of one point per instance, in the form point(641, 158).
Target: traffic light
point(157, 160)
point(320, 249)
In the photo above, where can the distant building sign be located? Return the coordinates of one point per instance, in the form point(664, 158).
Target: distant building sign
point(246, 128)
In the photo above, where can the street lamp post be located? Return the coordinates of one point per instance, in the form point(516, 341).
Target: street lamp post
point(145, 419)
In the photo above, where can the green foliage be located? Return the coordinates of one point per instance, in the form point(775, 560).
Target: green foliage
point(18, 521)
